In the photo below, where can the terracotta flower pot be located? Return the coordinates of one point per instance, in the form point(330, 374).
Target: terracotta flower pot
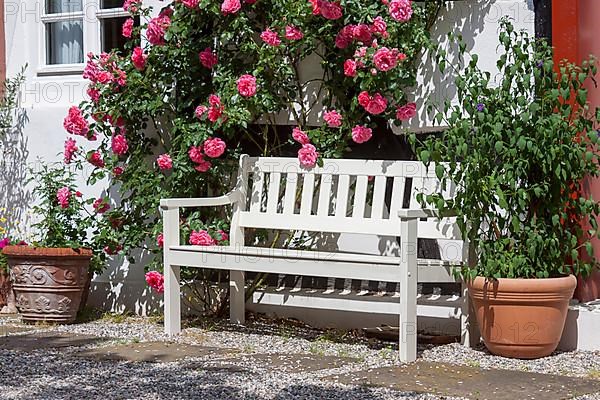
point(521, 318)
point(48, 282)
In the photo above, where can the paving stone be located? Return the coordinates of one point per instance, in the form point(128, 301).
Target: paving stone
point(473, 383)
point(151, 352)
point(295, 363)
point(6, 330)
point(46, 340)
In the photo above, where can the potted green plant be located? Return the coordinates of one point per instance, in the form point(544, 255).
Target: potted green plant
point(517, 147)
point(51, 277)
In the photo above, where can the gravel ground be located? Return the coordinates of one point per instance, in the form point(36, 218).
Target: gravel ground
point(49, 374)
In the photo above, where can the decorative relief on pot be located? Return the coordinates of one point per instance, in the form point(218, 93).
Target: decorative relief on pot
point(42, 304)
point(44, 275)
point(63, 305)
point(22, 302)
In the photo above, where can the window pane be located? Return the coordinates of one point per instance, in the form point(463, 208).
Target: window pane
point(112, 3)
point(63, 6)
point(64, 42)
point(112, 37)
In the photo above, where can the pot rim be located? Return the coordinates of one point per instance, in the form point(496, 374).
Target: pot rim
point(38, 252)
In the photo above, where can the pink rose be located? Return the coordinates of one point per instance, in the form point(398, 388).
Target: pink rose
point(203, 165)
point(200, 110)
point(401, 57)
point(333, 119)
point(360, 52)
point(400, 10)
point(4, 242)
point(293, 33)
point(117, 171)
point(138, 58)
point(208, 58)
point(375, 104)
point(131, 5)
point(119, 144)
point(308, 155)
point(224, 236)
point(246, 85)
point(74, 122)
point(156, 281)
point(316, 9)
point(330, 10)
point(190, 3)
point(379, 27)
point(350, 67)
point(160, 240)
point(361, 134)
point(95, 158)
point(215, 109)
point(127, 28)
point(362, 33)
point(93, 93)
point(300, 136)
point(164, 162)
point(406, 112)
point(214, 147)
point(201, 238)
point(344, 37)
point(385, 59)
point(157, 27)
point(270, 37)
point(195, 154)
point(230, 7)
point(62, 196)
point(101, 206)
point(70, 150)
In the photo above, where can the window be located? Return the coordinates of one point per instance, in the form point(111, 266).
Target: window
point(112, 16)
point(73, 28)
point(63, 25)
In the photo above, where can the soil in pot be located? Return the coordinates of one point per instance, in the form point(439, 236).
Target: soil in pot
point(521, 318)
point(48, 282)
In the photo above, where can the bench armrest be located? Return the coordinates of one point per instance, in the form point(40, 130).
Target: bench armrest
point(423, 213)
point(229, 198)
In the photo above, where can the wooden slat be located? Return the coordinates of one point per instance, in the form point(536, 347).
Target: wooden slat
point(377, 205)
point(342, 195)
point(360, 196)
point(397, 196)
point(308, 187)
point(289, 200)
point(273, 192)
point(342, 167)
point(257, 191)
point(324, 195)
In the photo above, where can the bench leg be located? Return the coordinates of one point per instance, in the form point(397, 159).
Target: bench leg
point(469, 331)
point(408, 291)
point(237, 297)
point(172, 300)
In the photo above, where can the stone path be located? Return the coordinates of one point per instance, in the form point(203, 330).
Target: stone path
point(473, 383)
point(69, 365)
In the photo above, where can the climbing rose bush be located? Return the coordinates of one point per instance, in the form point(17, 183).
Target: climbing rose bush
point(201, 81)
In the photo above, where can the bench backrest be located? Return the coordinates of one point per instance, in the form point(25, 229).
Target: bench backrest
point(343, 195)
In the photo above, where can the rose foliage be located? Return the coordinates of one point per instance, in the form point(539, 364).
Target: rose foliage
point(199, 82)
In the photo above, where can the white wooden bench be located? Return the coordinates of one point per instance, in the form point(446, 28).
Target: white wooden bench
point(341, 196)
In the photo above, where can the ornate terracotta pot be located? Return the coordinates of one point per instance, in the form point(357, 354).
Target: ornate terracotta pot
point(48, 282)
point(521, 318)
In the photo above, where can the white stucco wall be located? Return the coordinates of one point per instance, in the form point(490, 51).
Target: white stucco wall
point(46, 98)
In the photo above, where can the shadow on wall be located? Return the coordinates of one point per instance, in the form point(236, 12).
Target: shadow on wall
point(467, 17)
point(15, 197)
point(121, 287)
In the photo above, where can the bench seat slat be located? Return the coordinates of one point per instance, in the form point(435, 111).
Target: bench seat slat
point(308, 263)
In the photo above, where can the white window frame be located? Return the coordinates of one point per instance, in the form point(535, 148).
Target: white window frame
point(92, 16)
